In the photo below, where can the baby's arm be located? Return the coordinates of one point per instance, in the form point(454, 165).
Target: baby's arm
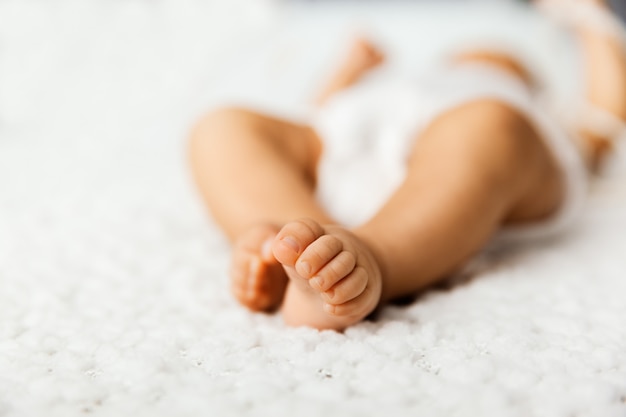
point(603, 41)
point(362, 57)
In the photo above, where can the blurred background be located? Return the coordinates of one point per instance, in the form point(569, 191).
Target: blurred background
point(96, 63)
point(82, 64)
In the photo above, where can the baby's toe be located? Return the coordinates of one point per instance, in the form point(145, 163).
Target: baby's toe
point(238, 270)
point(258, 281)
point(317, 255)
point(334, 271)
point(244, 272)
point(294, 238)
point(348, 288)
point(253, 287)
point(360, 306)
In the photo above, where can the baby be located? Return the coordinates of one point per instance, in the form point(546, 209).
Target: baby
point(443, 167)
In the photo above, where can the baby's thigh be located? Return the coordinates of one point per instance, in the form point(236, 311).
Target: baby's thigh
point(482, 133)
point(493, 149)
point(240, 127)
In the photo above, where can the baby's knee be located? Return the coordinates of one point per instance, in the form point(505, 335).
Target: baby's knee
point(499, 137)
point(213, 127)
point(497, 121)
point(223, 118)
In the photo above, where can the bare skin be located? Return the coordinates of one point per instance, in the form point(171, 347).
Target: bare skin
point(606, 86)
point(258, 176)
point(362, 57)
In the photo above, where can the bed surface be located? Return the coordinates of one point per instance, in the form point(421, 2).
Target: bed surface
point(113, 286)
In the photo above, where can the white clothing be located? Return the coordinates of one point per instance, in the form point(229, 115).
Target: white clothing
point(368, 132)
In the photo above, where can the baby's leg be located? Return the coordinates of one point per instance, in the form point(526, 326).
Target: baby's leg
point(255, 173)
point(475, 169)
point(254, 169)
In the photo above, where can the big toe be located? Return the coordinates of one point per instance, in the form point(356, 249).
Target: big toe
point(293, 239)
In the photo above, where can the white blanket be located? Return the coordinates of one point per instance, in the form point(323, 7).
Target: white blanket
point(113, 284)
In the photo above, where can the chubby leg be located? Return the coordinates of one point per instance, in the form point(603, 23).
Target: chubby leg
point(255, 173)
point(253, 169)
point(476, 168)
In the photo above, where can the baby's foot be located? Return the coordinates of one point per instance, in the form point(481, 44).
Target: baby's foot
point(335, 279)
point(258, 281)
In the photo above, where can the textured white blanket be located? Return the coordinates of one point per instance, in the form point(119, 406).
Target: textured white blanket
point(113, 286)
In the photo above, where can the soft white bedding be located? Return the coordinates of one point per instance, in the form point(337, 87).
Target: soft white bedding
point(113, 295)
